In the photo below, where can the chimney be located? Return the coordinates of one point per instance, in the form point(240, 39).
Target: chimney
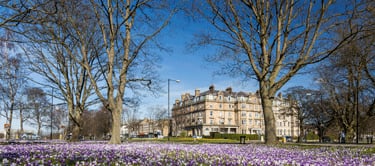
point(229, 90)
point(187, 96)
point(212, 88)
point(183, 97)
point(197, 92)
point(280, 96)
point(257, 93)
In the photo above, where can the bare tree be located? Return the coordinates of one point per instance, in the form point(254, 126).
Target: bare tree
point(272, 41)
point(39, 108)
point(15, 12)
point(348, 79)
point(97, 123)
point(300, 100)
point(343, 81)
point(70, 30)
point(23, 115)
point(158, 114)
point(104, 117)
point(366, 42)
point(321, 116)
point(55, 37)
point(12, 77)
point(127, 29)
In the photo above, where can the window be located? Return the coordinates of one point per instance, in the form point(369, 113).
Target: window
point(210, 105)
point(256, 114)
point(243, 105)
point(229, 113)
point(220, 97)
point(258, 122)
point(211, 113)
point(250, 122)
point(220, 106)
point(250, 114)
point(211, 121)
point(229, 121)
point(229, 98)
point(243, 121)
point(207, 129)
point(243, 113)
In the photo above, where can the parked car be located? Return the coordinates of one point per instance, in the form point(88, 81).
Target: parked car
point(30, 136)
point(288, 139)
point(326, 139)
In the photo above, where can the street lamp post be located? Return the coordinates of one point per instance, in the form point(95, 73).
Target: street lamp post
point(169, 116)
point(357, 109)
point(51, 114)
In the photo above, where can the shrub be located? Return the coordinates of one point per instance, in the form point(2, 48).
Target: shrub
point(183, 134)
point(312, 136)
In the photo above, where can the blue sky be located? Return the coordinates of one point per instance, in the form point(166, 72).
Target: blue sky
point(193, 71)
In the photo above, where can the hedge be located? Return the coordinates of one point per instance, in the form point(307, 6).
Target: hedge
point(235, 136)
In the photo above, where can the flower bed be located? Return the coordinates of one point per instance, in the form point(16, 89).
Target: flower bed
point(142, 153)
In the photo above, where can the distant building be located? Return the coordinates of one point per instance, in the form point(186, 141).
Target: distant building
point(229, 112)
point(145, 127)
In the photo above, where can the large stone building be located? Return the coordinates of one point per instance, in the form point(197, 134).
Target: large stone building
point(229, 112)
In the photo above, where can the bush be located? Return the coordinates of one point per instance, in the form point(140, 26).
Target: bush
point(312, 136)
point(183, 134)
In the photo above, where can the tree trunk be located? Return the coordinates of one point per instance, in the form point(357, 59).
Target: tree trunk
point(76, 133)
point(116, 125)
point(269, 120)
point(75, 119)
point(10, 124)
point(75, 115)
point(301, 132)
point(39, 131)
point(21, 121)
point(320, 134)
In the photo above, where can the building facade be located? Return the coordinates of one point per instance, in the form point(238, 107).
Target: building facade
point(226, 111)
point(145, 127)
